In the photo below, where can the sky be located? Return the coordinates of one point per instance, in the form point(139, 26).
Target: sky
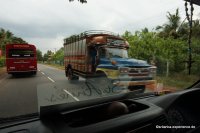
point(46, 23)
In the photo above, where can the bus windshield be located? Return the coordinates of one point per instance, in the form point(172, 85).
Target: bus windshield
point(20, 53)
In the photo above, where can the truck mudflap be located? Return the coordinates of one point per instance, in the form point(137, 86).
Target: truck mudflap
point(135, 83)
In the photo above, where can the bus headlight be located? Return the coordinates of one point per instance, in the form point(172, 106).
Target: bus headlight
point(124, 70)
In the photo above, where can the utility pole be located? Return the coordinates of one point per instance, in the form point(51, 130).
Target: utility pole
point(189, 18)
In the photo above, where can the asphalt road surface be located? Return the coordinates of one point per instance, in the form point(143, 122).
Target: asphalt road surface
point(23, 94)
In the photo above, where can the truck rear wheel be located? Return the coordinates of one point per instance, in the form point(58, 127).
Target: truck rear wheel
point(66, 72)
point(69, 74)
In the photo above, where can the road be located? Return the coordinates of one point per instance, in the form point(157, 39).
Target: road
point(24, 94)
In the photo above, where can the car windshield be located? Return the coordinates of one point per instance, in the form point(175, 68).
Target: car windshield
point(81, 51)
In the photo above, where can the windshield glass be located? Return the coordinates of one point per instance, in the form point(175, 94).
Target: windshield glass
point(116, 52)
point(87, 51)
point(111, 41)
point(19, 53)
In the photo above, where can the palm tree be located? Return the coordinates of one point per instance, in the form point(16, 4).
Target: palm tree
point(196, 29)
point(170, 28)
point(183, 30)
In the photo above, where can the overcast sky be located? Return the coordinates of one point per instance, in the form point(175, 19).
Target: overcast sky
point(46, 23)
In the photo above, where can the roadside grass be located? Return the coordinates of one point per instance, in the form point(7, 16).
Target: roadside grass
point(177, 81)
point(2, 70)
point(54, 65)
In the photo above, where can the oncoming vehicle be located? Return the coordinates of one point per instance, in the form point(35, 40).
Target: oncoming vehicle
point(21, 58)
point(102, 53)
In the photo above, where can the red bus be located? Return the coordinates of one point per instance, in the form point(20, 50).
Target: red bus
point(21, 58)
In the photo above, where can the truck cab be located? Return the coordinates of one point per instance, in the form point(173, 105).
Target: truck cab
point(113, 61)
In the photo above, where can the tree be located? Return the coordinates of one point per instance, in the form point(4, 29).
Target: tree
point(48, 55)
point(45, 57)
point(168, 53)
point(196, 29)
point(171, 27)
point(59, 55)
point(39, 55)
point(18, 40)
point(7, 37)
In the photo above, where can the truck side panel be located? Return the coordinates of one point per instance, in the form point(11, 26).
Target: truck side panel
point(76, 55)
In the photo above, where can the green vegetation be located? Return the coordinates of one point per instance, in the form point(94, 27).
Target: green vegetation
point(59, 56)
point(2, 61)
point(7, 37)
point(54, 58)
point(54, 65)
point(2, 70)
point(177, 81)
point(168, 46)
point(39, 55)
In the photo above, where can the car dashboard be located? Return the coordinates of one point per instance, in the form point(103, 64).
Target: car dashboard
point(171, 113)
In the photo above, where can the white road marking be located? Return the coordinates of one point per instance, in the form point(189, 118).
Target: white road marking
point(42, 73)
point(51, 79)
point(71, 95)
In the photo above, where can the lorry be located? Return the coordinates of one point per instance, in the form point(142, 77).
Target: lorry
point(103, 53)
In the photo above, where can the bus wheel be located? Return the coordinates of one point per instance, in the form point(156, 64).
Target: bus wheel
point(34, 73)
point(69, 74)
point(13, 74)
